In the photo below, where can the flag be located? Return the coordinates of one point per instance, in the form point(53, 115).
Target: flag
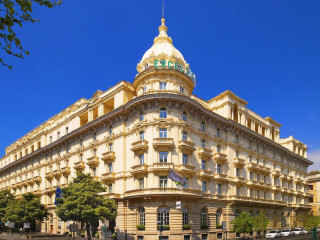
point(58, 195)
point(179, 180)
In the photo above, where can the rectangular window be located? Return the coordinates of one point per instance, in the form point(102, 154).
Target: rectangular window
point(218, 149)
point(204, 237)
point(251, 193)
point(237, 154)
point(67, 130)
point(141, 136)
point(141, 158)
point(163, 157)
point(258, 194)
point(203, 164)
point(163, 133)
point(258, 177)
point(184, 116)
point(186, 237)
point(110, 167)
point(50, 139)
point(237, 172)
point(187, 183)
point(163, 113)
point(203, 126)
point(219, 189)
point(184, 136)
point(110, 147)
point(110, 188)
point(141, 183)
point(203, 143)
point(144, 89)
point(141, 117)
point(163, 182)
point(163, 85)
point(58, 135)
point(181, 89)
point(238, 191)
point(251, 176)
point(185, 158)
point(218, 168)
point(204, 186)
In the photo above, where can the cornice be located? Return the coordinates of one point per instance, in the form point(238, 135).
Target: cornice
point(125, 109)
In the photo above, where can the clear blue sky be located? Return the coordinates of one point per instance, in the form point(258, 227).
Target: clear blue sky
point(267, 52)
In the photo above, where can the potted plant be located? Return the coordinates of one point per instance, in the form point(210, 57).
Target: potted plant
point(70, 234)
point(204, 226)
point(141, 227)
point(164, 227)
point(186, 227)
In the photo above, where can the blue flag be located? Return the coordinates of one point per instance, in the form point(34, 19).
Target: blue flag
point(179, 180)
point(58, 195)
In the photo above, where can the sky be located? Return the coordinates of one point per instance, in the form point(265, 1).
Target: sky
point(267, 52)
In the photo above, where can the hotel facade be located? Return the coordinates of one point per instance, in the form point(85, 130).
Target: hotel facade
point(131, 135)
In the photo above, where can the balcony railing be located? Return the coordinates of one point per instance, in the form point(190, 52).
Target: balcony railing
point(108, 157)
point(37, 179)
point(220, 158)
point(139, 147)
point(140, 169)
point(186, 146)
point(79, 165)
point(204, 153)
point(163, 143)
point(93, 161)
point(205, 174)
point(239, 162)
point(186, 169)
point(162, 167)
point(108, 177)
point(57, 173)
point(65, 171)
point(221, 177)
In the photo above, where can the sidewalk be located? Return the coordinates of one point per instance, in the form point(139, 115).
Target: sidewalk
point(41, 236)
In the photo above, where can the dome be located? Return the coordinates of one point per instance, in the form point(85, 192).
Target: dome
point(162, 49)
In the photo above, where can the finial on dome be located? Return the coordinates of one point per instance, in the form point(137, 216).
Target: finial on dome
point(163, 28)
point(163, 21)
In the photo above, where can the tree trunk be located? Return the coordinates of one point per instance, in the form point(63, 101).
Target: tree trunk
point(88, 231)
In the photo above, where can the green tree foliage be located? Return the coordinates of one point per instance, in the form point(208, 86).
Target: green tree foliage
point(28, 209)
point(243, 223)
point(15, 13)
point(313, 172)
point(5, 199)
point(81, 202)
point(260, 223)
point(311, 222)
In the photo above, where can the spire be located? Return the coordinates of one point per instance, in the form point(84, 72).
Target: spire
point(163, 36)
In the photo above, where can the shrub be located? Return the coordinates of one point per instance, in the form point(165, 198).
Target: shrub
point(186, 227)
point(97, 235)
point(114, 236)
point(164, 227)
point(204, 226)
point(70, 234)
point(219, 226)
point(141, 227)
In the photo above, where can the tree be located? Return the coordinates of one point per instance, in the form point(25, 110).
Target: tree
point(311, 222)
point(313, 172)
point(260, 223)
point(28, 209)
point(5, 199)
point(243, 223)
point(15, 13)
point(81, 202)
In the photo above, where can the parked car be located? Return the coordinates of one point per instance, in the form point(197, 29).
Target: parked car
point(273, 234)
point(297, 231)
point(304, 231)
point(318, 229)
point(286, 232)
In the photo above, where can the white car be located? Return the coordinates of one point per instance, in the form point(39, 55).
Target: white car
point(304, 231)
point(297, 231)
point(273, 234)
point(286, 232)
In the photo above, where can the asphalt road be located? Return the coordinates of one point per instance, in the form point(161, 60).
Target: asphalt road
point(297, 237)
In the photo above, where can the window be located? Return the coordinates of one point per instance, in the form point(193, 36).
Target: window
point(110, 130)
point(258, 177)
point(184, 116)
point(110, 167)
point(237, 139)
point(203, 164)
point(264, 195)
point(141, 158)
point(203, 126)
point(251, 193)
point(218, 132)
point(264, 179)
point(237, 172)
point(218, 149)
point(58, 135)
point(163, 133)
point(203, 143)
point(67, 148)
point(204, 237)
point(94, 136)
point(218, 168)
point(110, 188)
point(163, 157)
point(184, 136)
point(181, 89)
point(163, 216)
point(81, 142)
point(94, 172)
point(219, 189)
point(250, 159)
point(186, 237)
point(258, 161)
point(310, 187)
point(185, 158)
point(187, 183)
point(163, 85)
point(67, 130)
point(142, 216)
point(251, 176)
point(141, 185)
point(204, 186)
point(203, 217)
point(50, 139)
point(163, 113)
point(144, 89)
point(81, 158)
point(258, 194)
point(185, 216)
point(141, 136)
point(110, 147)
point(141, 117)
point(237, 154)
point(238, 191)
point(163, 182)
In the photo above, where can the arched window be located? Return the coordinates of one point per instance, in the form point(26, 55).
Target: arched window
point(142, 216)
point(218, 218)
point(185, 216)
point(203, 218)
point(163, 216)
point(163, 113)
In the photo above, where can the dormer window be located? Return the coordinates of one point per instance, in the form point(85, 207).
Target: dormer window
point(163, 85)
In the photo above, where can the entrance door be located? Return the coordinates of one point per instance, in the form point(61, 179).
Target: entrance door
point(51, 228)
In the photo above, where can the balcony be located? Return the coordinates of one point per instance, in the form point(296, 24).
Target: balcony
point(37, 192)
point(161, 167)
point(37, 179)
point(283, 176)
point(276, 188)
point(186, 146)
point(79, 165)
point(65, 171)
point(56, 173)
point(220, 158)
point(205, 174)
point(290, 178)
point(239, 180)
point(14, 186)
point(149, 192)
point(25, 183)
point(93, 161)
point(139, 147)
point(258, 168)
point(221, 177)
point(49, 190)
point(186, 169)
point(49, 175)
point(239, 162)
point(204, 153)
point(275, 173)
point(108, 157)
point(163, 143)
point(139, 170)
point(108, 177)
point(31, 181)
point(19, 185)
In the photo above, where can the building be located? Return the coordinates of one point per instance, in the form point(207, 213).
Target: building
point(314, 192)
point(129, 137)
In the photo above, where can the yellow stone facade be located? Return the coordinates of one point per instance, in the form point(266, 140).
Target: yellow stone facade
point(129, 136)
point(314, 193)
